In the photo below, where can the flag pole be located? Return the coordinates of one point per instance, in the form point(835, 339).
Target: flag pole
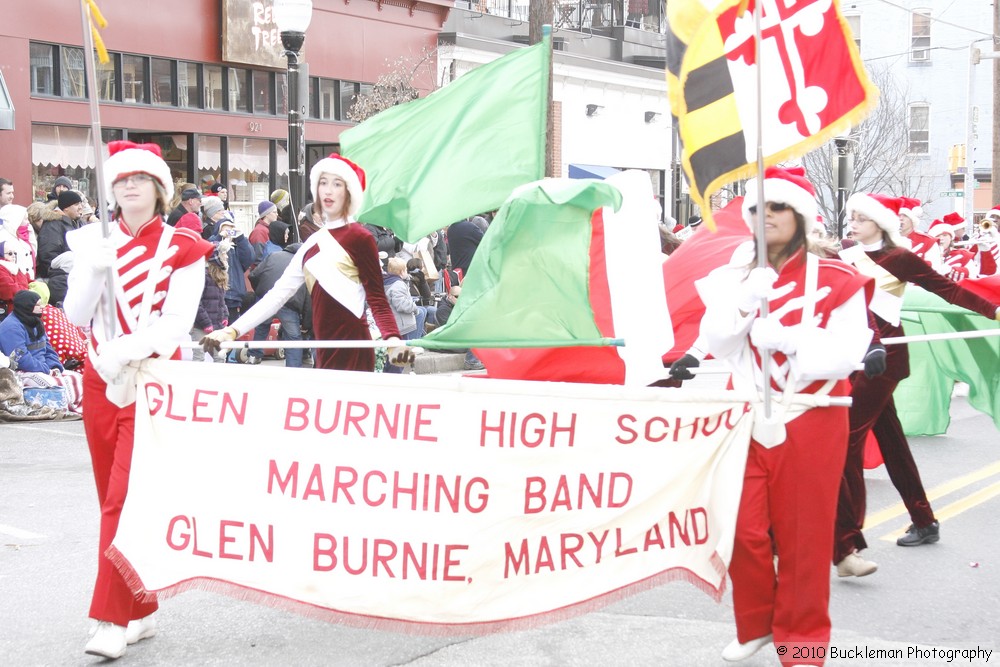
point(954, 335)
point(95, 132)
point(417, 342)
point(761, 204)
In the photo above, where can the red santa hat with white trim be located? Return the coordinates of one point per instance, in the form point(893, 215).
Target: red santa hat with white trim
point(127, 158)
point(911, 209)
point(350, 173)
point(784, 185)
point(994, 213)
point(949, 224)
point(882, 209)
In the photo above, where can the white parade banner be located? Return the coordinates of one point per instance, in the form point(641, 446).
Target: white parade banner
point(426, 503)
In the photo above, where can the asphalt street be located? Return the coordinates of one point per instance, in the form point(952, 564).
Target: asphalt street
point(942, 597)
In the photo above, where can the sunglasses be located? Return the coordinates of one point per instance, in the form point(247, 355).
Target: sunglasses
point(775, 206)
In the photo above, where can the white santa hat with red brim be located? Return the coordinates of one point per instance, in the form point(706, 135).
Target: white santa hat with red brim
point(350, 173)
point(883, 210)
point(784, 185)
point(127, 158)
point(911, 208)
point(949, 224)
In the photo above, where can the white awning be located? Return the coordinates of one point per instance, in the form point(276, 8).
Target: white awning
point(62, 146)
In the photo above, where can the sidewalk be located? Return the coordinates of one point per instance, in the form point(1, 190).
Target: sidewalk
point(426, 362)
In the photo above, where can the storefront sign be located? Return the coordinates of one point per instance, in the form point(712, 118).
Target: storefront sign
point(250, 35)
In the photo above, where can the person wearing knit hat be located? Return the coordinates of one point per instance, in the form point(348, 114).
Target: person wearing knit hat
point(286, 213)
point(267, 213)
point(146, 256)
point(811, 341)
point(922, 245)
point(52, 234)
point(340, 266)
point(872, 407)
point(222, 192)
point(212, 208)
point(61, 184)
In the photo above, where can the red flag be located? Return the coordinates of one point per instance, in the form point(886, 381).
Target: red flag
point(697, 256)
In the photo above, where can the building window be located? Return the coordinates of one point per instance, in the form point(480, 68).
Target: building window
point(281, 99)
point(920, 115)
point(107, 78)
point(920, 36)
point(43, 64)
point(263, 92)
point(163, 81)
point(135, 79)
point(248, 178)
point(348, 93)
point(187, 86)
point(239, 88)
point(214, 98)
point(854, 23)
point(61, 150)
point(327, 100)
point(72, 79)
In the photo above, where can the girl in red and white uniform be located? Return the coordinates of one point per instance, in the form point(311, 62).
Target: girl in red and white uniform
point(339, 265)
point(988, 243)
point(816, 333)
point(957, 263)
point(157, 277)
point(922, 245)
point(882, 254)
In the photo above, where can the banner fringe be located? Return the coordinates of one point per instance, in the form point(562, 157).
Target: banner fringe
point(423, 628)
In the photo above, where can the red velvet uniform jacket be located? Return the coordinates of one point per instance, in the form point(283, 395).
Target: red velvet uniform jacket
point(907, 267)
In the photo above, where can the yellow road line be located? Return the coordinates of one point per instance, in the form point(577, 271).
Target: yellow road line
point(954, 509)
point(950, 486)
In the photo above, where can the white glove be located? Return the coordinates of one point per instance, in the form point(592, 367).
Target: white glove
point(103, 256)
point(755, 288)
point(768, 333)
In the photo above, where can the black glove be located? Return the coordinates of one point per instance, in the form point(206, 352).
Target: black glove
point(679, 369)
point(875, 360)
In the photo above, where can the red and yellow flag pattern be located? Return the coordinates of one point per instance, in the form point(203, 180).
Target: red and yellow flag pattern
point(814, 84)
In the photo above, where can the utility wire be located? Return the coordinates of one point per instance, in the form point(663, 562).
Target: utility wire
point(942, 21)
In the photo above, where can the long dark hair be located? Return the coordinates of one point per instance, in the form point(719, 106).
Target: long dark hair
point(798, 240)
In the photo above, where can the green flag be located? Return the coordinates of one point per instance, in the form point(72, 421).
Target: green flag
point(923, 399)
point(457, 152)
point(529, 282)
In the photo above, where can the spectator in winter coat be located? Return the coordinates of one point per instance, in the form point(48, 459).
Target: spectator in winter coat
point(62, 184)
point(283, 201)
point(464, 237)
point(409, 316)
point(212, 311)
point(267, 213)
point(15, 223)
point(12, 278)
point(52, 236)
point(190, 203)
point(239, 257)
point(212, 210)
point(296, 313)
point(222, 192)
point(67, 339)
point(23, 339)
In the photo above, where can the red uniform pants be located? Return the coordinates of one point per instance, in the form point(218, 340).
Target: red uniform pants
point(790, 492)
point(873, 409)
point(110, 435)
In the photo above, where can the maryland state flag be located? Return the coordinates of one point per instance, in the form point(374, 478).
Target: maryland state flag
point(814, 85)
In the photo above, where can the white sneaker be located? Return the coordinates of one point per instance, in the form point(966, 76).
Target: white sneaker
point(107, 641)
point(142, 628)
point(737, 651)
point(854, 565)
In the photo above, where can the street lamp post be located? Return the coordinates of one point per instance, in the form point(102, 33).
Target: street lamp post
point(292, 18)
point(842, 169)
